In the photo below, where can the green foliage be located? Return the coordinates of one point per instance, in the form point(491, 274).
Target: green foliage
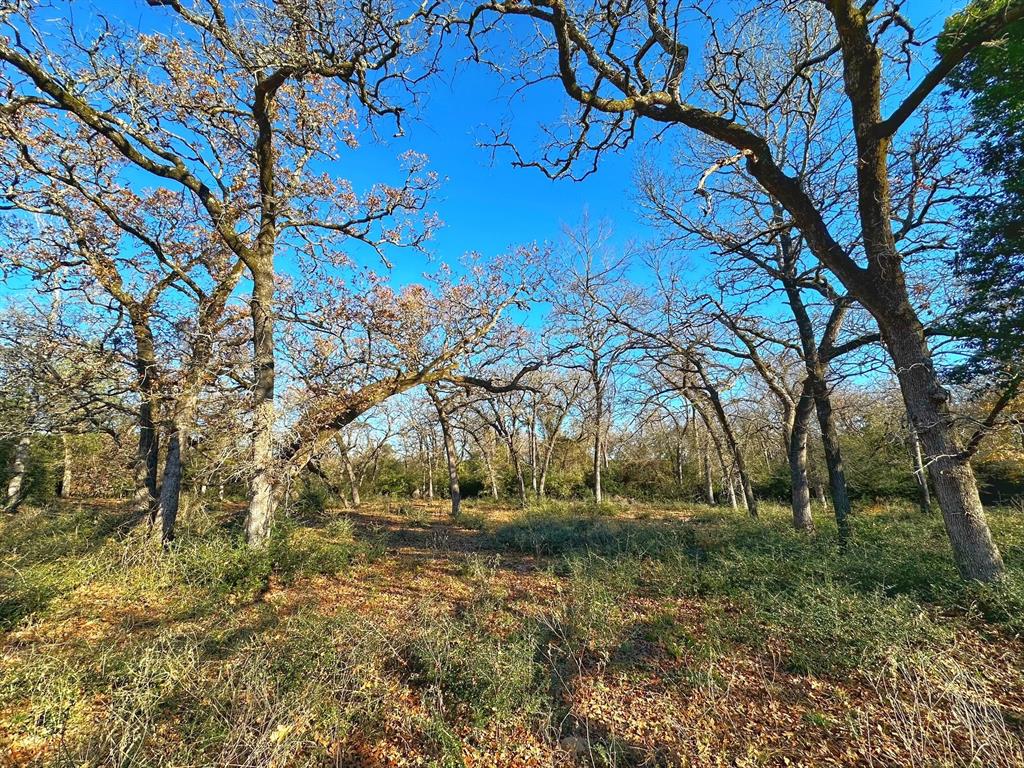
point(486, 676)
point(991, 259)
point(829, 628)
point(472, 662)
point(877, 459)
point(312, 497)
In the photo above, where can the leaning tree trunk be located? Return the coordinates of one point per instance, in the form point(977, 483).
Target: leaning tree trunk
point(734, 447)
point(19, 467)
point(796, 451)
point(728, 478)
point(261, 489)
point(956, 490)
point(729, 485)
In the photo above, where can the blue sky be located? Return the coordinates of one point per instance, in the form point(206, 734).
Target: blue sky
point(485, 204)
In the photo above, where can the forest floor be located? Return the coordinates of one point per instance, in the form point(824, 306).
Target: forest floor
point(560, 635)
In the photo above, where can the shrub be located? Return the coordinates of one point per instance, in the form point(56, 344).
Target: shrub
point(828, 629)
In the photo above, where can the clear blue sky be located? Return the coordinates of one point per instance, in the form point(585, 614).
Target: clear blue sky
point(485, 204)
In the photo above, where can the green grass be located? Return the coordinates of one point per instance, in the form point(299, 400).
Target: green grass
point(827, 609)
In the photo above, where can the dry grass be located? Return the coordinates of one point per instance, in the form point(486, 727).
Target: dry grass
point(558, 636)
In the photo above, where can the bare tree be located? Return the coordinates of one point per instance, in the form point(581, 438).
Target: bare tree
point(625, 65)
point(585, 294)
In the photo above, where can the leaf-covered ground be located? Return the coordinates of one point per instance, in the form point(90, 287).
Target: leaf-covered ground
point(562, 635)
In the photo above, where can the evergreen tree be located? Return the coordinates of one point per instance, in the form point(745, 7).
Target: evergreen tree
point(990, 262)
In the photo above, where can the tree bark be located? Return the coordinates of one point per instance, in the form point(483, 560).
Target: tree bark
point(833, 457)
point(920, 475)
point(815, 358)
point(974, 551)
point(450, 454)
point(261, 490)
point(520, 479)
point(353, 482)
point(170, 488)
point(19, 467)
point(803, 519)
point(598, 424)
point(882, 289)
point(730, 438)
point(729, 485)
point(147, 455)
point(709, 480)
point(534, 449)
point(67, 477)
point(487, 450)
point(430, 467)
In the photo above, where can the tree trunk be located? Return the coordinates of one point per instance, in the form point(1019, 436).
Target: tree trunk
point(170, 488)
point(816, 366)
point(545, 467)
point(595, 380)
point(534, 450)
point(679, 461)
point(147, 455)
point(833, 457)
point(709, 480)
point(518, 468)
point(66, 476)
point(19, 467)
point(353, 482)
point(147, 461)
point(260, 514)
point(734, 447)
point(450, 453)
point(728, 478)
point(974, 551)
point(492, 474)
point(803, 519)
point(452, 460)
point(430, 468)
point(920, 475)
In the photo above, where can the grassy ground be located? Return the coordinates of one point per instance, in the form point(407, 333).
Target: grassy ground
point(559, 636)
